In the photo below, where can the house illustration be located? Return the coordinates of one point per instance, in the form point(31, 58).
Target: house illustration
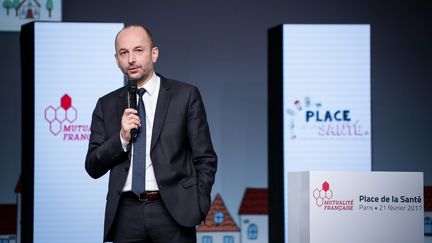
point(253, 214)
point(218, 226)
point(29, 9)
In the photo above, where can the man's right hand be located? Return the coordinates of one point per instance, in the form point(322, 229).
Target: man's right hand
point(130, 120)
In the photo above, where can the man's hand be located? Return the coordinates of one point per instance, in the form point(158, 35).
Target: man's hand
point(130, 120)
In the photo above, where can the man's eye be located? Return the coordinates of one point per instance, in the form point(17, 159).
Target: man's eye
point(122, 53)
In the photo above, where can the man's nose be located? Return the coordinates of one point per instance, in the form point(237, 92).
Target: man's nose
point(131, 58)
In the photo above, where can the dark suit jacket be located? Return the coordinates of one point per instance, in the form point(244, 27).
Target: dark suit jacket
point(182, 153)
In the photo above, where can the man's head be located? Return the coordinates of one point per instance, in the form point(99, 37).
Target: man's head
point(135, 53)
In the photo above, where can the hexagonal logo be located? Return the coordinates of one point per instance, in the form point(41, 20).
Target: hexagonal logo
point(323, 198)
point(64, 113)
point(324, 193)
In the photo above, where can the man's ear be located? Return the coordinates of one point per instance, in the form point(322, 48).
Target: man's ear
point(155, 54)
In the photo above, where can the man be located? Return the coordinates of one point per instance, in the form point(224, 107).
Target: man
point(162, 195)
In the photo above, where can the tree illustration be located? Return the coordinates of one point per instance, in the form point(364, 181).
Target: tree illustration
point(49, 6)
point(16, 4)
point(7, 4)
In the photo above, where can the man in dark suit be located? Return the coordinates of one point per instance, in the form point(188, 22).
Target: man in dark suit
point(160, 176)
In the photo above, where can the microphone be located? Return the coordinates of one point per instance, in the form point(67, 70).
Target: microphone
point(132, 94)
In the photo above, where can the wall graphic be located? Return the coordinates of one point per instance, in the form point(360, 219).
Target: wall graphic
point(220, 226)
point(15, 13)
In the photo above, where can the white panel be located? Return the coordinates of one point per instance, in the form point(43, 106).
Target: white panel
point(356, 207)
point(386, 217)
point(326, 98)
point(76, 61)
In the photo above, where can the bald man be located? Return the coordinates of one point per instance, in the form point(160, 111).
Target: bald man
point(160, 177)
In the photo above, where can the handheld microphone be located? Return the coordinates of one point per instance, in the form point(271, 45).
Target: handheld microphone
point(132, 94)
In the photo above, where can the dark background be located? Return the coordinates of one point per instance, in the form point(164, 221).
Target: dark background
point(221, 46)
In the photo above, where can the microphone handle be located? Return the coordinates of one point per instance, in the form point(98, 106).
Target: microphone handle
point(133, 104)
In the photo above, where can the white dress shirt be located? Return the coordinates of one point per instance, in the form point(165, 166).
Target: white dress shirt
point(150, 100)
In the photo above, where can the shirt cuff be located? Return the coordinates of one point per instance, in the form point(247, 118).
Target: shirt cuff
point(124, 143)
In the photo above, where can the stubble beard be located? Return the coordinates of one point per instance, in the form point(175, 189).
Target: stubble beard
point(140, 80)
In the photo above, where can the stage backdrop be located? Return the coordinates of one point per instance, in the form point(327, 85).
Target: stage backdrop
point(319, 104)
point(73, 66)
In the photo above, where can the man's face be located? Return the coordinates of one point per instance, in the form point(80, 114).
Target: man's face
point(135, 55)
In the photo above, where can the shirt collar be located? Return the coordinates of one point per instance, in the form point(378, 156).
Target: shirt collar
point(151, 85)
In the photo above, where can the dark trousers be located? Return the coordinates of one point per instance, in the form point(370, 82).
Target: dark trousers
point(148, 222)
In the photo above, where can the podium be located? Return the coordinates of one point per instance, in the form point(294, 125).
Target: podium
point(355, 207)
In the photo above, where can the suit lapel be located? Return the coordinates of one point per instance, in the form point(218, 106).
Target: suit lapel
point(122, 104)
point(161, 110)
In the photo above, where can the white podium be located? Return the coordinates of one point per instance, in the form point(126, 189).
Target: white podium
point(355, 207)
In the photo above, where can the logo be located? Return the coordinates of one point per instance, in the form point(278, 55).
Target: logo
point(61, 120)
point(324, 199)
point(311, 119)
point(324, 193)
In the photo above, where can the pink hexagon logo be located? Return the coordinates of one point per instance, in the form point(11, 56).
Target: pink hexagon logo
point(320, 195)
point(65, 113)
